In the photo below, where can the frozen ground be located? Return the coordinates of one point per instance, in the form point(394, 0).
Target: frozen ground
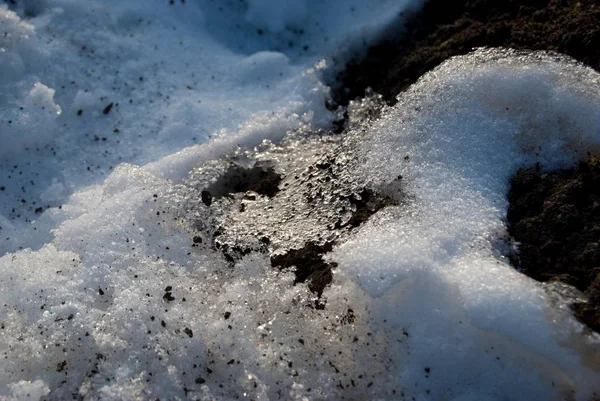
point(110, 296)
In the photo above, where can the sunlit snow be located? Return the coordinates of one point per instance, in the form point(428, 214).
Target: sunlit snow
point(114, 114)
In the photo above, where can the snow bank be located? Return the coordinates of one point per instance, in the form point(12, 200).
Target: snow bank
point(433, 266)
point(125, 302)
point(88, 85)
point(106, 107)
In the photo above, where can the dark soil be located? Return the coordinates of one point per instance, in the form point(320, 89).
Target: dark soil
point(446, 28)
point(556, 218)
point(263, 181)
point(369, 204)
point(309, 265)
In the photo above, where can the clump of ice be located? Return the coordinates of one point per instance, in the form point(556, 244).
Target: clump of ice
point(28, 114)
point(31, 121)
point(13, 44)
point(314, 201)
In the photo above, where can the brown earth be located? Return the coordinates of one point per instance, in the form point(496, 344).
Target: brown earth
point(556, 216)
point(446, 28)
point(556, 219)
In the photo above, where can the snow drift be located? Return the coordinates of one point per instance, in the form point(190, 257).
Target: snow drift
point(121, 301)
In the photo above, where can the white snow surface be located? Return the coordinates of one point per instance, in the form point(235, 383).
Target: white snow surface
point(437, 311)
point(177, 75)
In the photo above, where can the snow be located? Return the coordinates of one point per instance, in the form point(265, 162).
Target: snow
point(105, 294)
point(175, 75)
point(456, 137)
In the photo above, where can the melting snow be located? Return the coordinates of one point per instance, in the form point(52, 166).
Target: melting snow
point(120, 301)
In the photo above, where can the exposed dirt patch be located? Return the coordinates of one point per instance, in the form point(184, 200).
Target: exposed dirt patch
point(556, 219)
point(367, 205)
point(262, 180)
point(309, 265)
point(446, 28)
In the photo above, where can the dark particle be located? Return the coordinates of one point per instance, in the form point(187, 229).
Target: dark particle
point(100, 291)
point(206, 198)
point(197, 239)
point(189, 332)
point(61, 366)
point(108, 108)
point(168, 295)
point(79, 112)
point(227, 315)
